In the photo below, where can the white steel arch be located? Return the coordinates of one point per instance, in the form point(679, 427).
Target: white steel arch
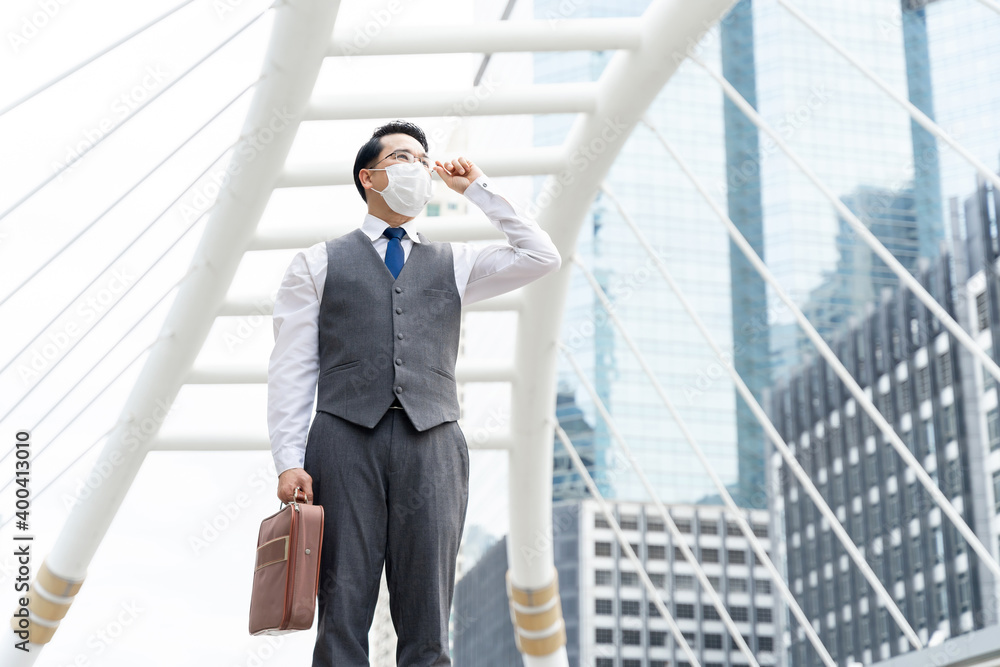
point(653, 47)
point(650, 48)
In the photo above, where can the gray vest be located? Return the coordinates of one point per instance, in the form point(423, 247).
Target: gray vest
point(382, 338)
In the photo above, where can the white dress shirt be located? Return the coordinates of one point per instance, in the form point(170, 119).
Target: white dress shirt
point(480, 273)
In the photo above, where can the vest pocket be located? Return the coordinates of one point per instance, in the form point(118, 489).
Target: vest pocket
point(341, 367)
point(439, 293)
point(443, 372)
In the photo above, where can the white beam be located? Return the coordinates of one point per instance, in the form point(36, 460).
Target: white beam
point(602, 34)
point(479, 101)
point(629, 84)
point(466, 370)
point(435, 228)
point(227, 442)
point(262, 304)
point(530, 162)
point(290, 67)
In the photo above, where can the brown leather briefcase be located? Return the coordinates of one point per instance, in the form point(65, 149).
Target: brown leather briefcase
point(286, 575)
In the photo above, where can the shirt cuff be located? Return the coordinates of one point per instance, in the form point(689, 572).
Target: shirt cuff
point(286, 460)
point(480, 192)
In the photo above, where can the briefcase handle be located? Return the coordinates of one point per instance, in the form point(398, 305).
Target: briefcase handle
point(295, 504)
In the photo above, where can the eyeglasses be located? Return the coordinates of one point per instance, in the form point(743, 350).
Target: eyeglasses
point(408, 157)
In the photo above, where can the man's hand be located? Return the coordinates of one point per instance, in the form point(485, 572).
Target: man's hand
point(457, 174)
point(291, 478)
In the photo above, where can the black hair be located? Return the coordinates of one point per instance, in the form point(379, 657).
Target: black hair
point(373, 147)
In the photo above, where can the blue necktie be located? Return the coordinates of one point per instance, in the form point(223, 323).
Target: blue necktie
point(394, 251)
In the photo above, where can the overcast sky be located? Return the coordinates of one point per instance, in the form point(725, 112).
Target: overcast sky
point(164, 583)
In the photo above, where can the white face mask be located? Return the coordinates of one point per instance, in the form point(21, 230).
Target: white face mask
point(409, 188)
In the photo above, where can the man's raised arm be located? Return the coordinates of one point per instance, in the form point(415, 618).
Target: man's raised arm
point(495, 269)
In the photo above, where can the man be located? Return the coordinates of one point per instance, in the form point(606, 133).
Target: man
point(373, 318)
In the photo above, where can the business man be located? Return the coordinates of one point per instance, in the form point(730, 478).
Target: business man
point(373, 317)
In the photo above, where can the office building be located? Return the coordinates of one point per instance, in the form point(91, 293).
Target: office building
point(611, 620)
point(944, 408)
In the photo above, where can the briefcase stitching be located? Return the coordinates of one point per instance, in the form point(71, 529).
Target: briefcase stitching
point(279, 560)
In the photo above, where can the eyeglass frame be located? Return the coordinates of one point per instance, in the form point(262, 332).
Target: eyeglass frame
point(425, 161)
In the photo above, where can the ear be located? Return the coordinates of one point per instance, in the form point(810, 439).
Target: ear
point(366, 178)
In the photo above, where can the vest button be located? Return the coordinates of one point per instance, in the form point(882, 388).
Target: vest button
point(398, 290)
point(399, 336)
point(399, 362)
point(399, 310)
point(399, 390)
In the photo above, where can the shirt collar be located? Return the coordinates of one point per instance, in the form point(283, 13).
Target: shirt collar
point(373, 228)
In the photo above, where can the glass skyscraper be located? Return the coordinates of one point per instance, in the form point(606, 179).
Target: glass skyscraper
point(886, 168)
point(692, 242)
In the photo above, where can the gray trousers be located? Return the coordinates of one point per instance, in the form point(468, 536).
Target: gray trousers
point(395, 495)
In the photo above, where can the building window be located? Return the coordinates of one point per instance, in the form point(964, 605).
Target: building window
point(600, 522)
point(658, 663)
point(993, 427)
point(602, 548)
point(765, 644)
point(683, 525)
point(632, 637)
point(685, 611)
point(602, 607)
point(762, 586)
point(631, 662)
point(710, 613)
point(602, 577)
point(923, 383)
point(630, 578)
point(733, 529)
point(710, 555)
point(996, 492)
point(653, 611)
point(739, 614)
point(764, 615)
point(737, 557)
point(713, 641)
point(684, 582)
point(709, 527)
point(654, 526)
point(605, 662)
point(964, 592)
point(658, 578)
point(760, 529)
point(656, 552)
point(982, 312)
point(737, 585)
point(629, 523)
point(635, 549)
point(630, 607)
point(604, 636)
point(948, 423)
point(657, 638)
point(944, 369)
point(715, 583)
